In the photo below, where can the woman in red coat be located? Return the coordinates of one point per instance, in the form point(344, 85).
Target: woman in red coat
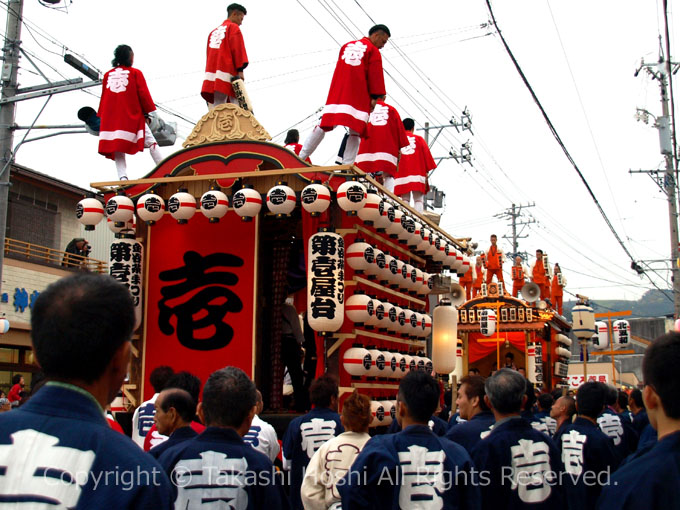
point(124, 108)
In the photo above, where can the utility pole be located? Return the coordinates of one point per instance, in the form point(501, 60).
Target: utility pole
point(10, 70)
point(659, 71)
point(514, 213)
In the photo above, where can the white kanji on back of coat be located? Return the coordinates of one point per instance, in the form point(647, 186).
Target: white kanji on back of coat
point(353, 53)
point(531, 473)
point(315, 433)
point(610, 424)
point(422, 478)
point(411, 149)
point(217, 36)
point(572, 452)
point(34, 468)
point(118, 80)
point(380, 115)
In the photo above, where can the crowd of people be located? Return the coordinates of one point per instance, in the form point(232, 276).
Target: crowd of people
point(212, 450)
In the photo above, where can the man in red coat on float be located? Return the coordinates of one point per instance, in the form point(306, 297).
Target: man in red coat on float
point(416, 161)
point(357, 84)
point(124, 106)
point(226, 58)
point(379, 151)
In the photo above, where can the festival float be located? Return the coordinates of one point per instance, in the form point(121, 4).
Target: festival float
point(230, 226)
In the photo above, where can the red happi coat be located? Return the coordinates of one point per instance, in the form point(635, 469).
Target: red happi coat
point(125, 100)
point(358, 76)
point(416, 161)
point(226, 56)
point(379, 152)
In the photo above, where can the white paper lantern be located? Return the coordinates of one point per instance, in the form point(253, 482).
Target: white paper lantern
point(351, 196)
point(404, 326)
point(561, 351)
point(487, 322)
point(415, 239)
point(391, 364)
point(4, 325)
point(382, 314)
point(621, 329)
point(281, 199)
point(412, 323)
point(357, 361)
point(370, 212)
point(459, 361)
point(402, 365)
point(400, 319)
point(374, 270)
point(89, 212)
point(601, 337)
point(440, 249)
point(412, 282)
point(377, 414)
point(444, 337)
point(408, 227)
point(315, 198)
point(398, 279)
point(429, 283)
point(325, 303)
point(360, 256)
point(451, 258)
point(429, 366)
point(424, 242)
point(374, 320)
point(214, 205)
point(427, 325)
point(531, 362)
point(359, 308)
point(563, 339)
point(383, 221)
point(182, 206)
point(465, 267)
point(390, 408)
point(391, 316)
point(378, 364)
point(419, 363)
point(128, 226)
point(431, 250)
point(120, 209)
point(405, 282)
point(410, 363)
point(395, 216)
point(418, 287)
point(420, 325)
point(424, 285)
point(583, 322)
point(247, 203)
point(150, 208)
point(392, 274)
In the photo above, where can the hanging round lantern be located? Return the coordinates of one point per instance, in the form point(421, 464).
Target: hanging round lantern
point(563, 339)
point(405, 281)
point(440, 249)
point(377, 413)
point(360, 256)
point(459, 361)
point(382, 314)
point(424, 289)
point(129, 226)
point(391, 364)
point(419, 363)
point(374, 321)
point(429, 366)
point(357, 361)
point(370, 212)
point(445, 337)
point(430, 283)
point(465, 266)
point(390, 411)
point(395, 216)
point(431, 250)
point(182, 206)
point(487, 322)
point(150, 208)
point(120, 209)
point(383, 220)
point(398, 277)
point(89, 212)
point(4, 325)
point(281, 200)
point(359, 308)
point(420, 325)
point(247, 203)
point(452, 258)
point(415, 238)
point(408, 227)
point(411, 323)
point(601, 337)
point(402, 319)
point(561, 351)
point(418, 286)
point(402, 365)
point(424, 242)
point(351, 196)
point(412, 282)
point(390, 316)
point(427, 325)
point(315, 198)
point(583, 322)
point(621, 329)
point(374, 269)
point(409, 363)
point(399, 319)
point(214, 205)
point(378, 364)
point(386, 273)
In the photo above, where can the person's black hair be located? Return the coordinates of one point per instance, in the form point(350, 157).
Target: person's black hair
point(569, 407)
point(506, 389)
point(122, 56)
point(420, 392)
point(379, 28)
point(474, 387)
point(636, 395)
point(540, 251)
point(660, 371)
point(322, 389)
point(182, 401)
point(78, 323)
point(590, 399)
point(611, 395)
point(556, 393)
point(16, 379)
point(228, 397)
point(623, 400)
point(293, 136)
point(160, 376)
point(186, 381)
point(236, 7)
point(545, 401)
point(510, 355)
point(409, 124)
point(530, 393)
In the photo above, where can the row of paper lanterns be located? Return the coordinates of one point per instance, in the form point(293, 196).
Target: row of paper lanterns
point(620, 334)
point(368, 362)
point(383, 412)
point(280, 200)
point(365, 310)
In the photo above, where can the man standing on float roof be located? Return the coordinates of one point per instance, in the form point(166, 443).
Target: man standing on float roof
point(226, 58)
point(415, 163)
point(494, 261)
point(357, 84)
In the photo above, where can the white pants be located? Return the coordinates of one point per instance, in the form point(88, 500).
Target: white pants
point(318, 134)
point(388, 181)
point(149, 143)
point(221, 98)
point(418, 199)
